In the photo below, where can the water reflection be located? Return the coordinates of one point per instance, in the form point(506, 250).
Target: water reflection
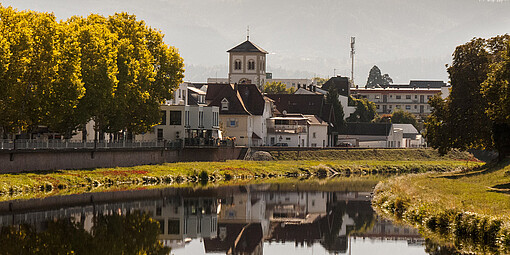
point(252, 219)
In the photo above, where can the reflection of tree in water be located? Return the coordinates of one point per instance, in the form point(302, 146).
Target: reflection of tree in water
point(135, 233)
point(359, 211)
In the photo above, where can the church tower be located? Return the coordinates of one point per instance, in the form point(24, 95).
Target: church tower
point(247, 64)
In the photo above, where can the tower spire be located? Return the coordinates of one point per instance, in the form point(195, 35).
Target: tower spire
point(248, 33)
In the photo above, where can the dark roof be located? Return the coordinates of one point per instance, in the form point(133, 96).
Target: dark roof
point(307, 104)
point(418, 84)
point(247, 46)
point(340, 83)
point(358, 128)
point(241, 238)
point(242, 98)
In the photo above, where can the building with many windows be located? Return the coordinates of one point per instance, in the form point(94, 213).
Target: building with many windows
point(412, 97)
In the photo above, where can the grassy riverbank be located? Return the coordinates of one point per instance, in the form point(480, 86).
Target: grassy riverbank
point(471, 209)
point(42, 184)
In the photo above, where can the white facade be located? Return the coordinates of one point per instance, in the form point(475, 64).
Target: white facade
point(297, 131)
point(185, 121)
point(390, 99)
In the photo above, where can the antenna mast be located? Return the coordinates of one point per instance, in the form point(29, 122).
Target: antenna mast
point(248, 33)
point(353, 39)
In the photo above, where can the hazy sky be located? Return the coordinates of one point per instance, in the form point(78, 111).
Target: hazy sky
point(408, 39)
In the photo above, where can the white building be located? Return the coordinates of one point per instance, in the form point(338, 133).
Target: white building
point(296, 130)
point(372, 135)
point(412, 97)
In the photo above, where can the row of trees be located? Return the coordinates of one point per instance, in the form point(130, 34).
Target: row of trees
point(115, 71)
point(476, 114)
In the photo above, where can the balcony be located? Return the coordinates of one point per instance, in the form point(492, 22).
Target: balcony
point(286, 129)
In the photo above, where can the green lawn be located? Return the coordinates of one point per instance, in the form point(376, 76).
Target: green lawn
point(41, 184)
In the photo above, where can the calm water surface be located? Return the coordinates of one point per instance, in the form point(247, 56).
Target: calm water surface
point(252, 219)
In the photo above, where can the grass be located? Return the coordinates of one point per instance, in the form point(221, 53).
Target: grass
point(472, 208)
point(62, 182)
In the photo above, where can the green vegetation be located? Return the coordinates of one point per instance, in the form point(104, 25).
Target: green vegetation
point(115, 71)
point(476, 113)
point(332, 99)
point(27, 185)
point(371, 154)
point(366, 111)
point(469, 209)
point(277, 88)
point(376, 79)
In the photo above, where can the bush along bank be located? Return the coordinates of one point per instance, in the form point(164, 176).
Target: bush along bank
point(28, 185)
point(467, 231)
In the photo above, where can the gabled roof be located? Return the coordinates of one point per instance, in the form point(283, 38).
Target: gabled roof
point(247, 46)
point(407, 128)
point(242, 98)
point(308, 104)
point(368, 129)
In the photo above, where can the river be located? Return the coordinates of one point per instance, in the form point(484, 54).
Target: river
point(248, 219)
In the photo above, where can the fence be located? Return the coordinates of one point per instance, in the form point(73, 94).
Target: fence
point(29, 144)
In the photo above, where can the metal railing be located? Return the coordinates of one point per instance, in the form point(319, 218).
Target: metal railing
point(31, 144)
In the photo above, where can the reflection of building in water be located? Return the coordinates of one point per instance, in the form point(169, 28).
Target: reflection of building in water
point(298, 207)
point(236, 238)
point(185, 217)
point(384, 229)
point(237, 220)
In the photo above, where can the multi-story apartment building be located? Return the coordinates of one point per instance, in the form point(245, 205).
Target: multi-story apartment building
point(412, 97)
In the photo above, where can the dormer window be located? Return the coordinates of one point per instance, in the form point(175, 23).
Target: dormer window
point(251, 65)
point(224, 104)
point(237, 64)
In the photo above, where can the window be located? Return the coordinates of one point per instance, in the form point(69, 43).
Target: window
point(175, 118)
point(163, 118)
point(415, 107)
point(173, 227)
point(314, 145)
point(429, 97)
point(378, 106)
point(251, 65)
point(237, 64)
point(398, 97)
point(161, 226)
point(287, 138)
point(232, 123)
point(200, 119)
point(390, 106)
point(397, 106)
point(187, 118)
point(160, 134)
point(314, 135)
point(408, 96)
point(224, 104)
point(415, 96)
point(408, 107)
point(377, 96)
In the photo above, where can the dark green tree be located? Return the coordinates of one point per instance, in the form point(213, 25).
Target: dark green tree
point(376, 79)
point(366, 111)
point(404, 117)
point(332, 98)
point(463, 120)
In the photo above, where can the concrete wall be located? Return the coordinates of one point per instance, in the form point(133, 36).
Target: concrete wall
point(40, 160)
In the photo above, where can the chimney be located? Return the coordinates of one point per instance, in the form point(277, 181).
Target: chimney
point(298, 86)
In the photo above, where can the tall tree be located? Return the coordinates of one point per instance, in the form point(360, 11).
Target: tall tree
point(98, 48)
point(142, 58)
point(463, 120)
point(376, 79)
point(332, 98)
